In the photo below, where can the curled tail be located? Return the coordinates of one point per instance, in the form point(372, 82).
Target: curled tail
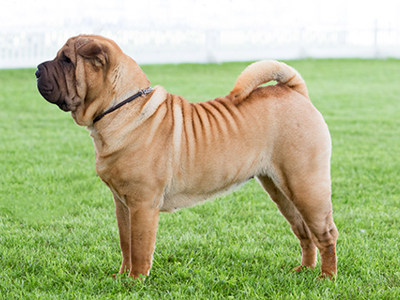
point(263, 72)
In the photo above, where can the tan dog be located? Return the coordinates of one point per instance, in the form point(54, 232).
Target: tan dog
point(158, 152)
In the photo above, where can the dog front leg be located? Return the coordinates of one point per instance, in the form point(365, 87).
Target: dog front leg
point(122, 213)
point(143, 229)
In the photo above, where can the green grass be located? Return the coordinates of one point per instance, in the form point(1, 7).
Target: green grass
point(58, 232)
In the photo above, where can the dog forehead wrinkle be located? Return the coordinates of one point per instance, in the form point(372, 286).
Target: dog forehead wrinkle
point(116, 76)
point(80, 41)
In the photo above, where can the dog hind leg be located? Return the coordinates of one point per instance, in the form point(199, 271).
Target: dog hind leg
point(299, 228)
point(313, 203)
point(309, 189)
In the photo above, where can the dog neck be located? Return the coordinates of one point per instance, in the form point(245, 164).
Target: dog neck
point(108, 134)
point(142, 92)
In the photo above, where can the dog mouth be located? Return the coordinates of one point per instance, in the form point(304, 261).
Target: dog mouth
point(63, 106)
point(46, 86)
point(45, 90)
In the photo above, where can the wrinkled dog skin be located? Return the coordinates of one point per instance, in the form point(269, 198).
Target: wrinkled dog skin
point(160, 153)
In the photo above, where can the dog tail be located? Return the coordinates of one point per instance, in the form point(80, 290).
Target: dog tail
point(263, 72)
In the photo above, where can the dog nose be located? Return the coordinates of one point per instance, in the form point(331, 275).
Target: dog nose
point(37, 73)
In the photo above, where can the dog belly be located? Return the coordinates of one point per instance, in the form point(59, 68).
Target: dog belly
point(186, 198)
point(198, 180)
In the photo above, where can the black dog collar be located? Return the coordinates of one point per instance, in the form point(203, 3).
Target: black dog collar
point(142, 92)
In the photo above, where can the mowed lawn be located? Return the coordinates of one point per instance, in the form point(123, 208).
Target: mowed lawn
point(58, 231)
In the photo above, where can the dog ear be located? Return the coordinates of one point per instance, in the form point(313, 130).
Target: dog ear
point(93, 50)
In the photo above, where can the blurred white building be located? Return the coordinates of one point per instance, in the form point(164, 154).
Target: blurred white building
point(175, 31)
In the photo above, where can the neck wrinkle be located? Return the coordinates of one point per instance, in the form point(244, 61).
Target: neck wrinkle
point(109, 133)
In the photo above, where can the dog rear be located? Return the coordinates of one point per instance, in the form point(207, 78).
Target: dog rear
point(262, 72)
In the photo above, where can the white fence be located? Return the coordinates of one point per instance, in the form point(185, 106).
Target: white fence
point(30, 47)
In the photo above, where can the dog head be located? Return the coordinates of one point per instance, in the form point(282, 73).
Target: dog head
point(89, 74)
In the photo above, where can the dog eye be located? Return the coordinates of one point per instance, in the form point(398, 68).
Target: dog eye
point(66, 59)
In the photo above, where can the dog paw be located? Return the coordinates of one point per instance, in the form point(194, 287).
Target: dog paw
point(302, 268)
point(325, 276)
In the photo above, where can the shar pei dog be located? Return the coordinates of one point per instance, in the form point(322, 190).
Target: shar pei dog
point(158, 153)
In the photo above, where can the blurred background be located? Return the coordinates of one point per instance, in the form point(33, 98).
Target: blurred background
point(203, 31)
